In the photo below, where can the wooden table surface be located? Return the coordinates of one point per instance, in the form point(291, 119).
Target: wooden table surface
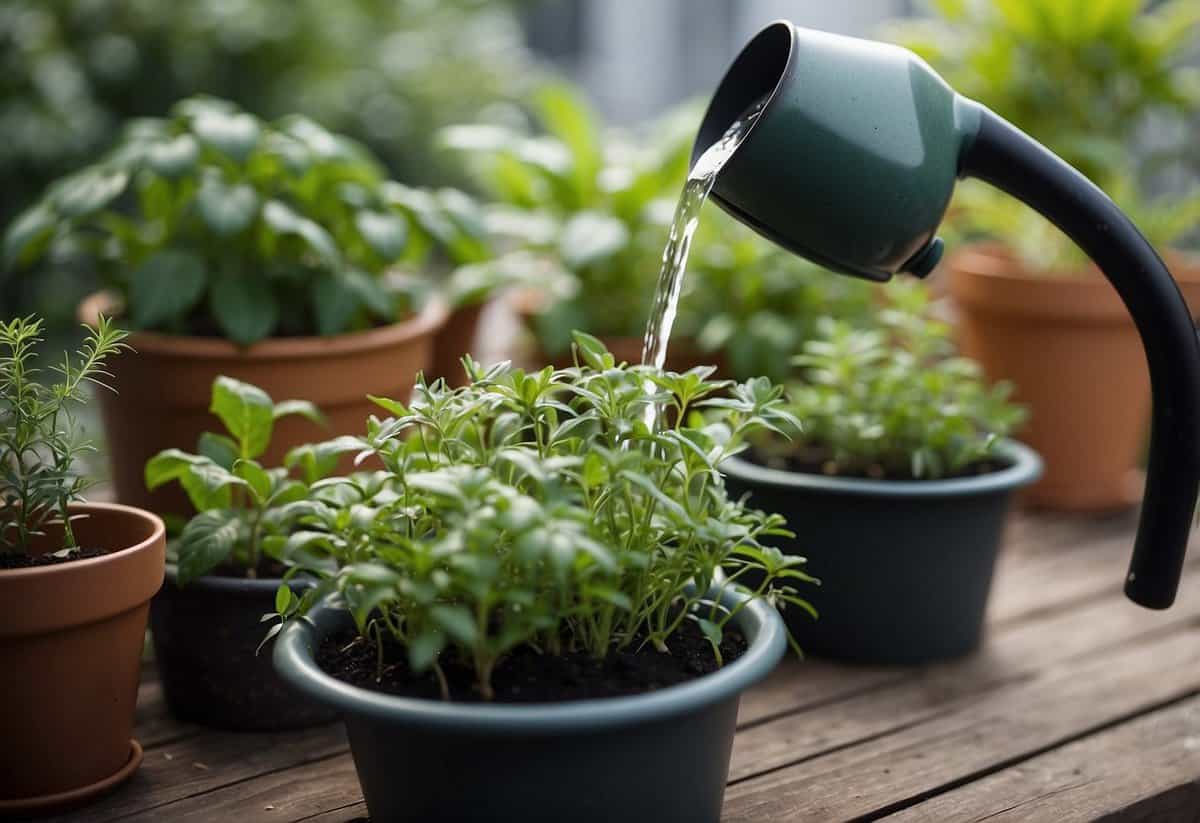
point(1080, 706)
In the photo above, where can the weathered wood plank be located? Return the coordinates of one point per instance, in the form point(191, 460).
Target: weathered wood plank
point(1146, 769)
point(976, 736)
point(1011, 654)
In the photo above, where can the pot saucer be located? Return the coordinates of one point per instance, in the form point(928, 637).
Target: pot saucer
point(61, 801)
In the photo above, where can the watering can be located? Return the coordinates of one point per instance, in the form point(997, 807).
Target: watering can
point(852, 162)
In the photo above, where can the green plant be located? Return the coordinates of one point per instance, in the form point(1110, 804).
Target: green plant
point(539, 509)
point(1087, 79)
point(587, 209)
point(239, 503)
point(39, 442)
point(212, 221)
point(892, 401)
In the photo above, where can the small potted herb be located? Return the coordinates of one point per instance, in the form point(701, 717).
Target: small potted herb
point(219, 581)
point(902, 477)
point(524, 611)
point(76, 580)
point(1090, 81)
point(275, 253)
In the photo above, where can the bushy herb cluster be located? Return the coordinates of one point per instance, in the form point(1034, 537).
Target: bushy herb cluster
point(39, 438)
point(539, 509)
point(239, 503)
point(892, 401)
point(212, 221)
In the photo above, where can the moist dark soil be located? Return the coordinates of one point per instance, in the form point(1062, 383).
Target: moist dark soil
point(15, 560)
point(529, 676)
point(818, 461)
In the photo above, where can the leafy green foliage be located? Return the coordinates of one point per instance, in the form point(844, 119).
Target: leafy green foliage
point(539, 509)
point(39, 441)
point(1086, 79)
point(212, 220)
point(892, 401)
point(238, 502)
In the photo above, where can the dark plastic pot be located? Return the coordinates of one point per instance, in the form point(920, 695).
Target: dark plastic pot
point(205, 638)
point(905, 566)
point(662, 756)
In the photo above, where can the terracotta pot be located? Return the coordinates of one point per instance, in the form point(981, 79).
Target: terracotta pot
point(458, 336)
point(70, 655)
point(164, 387)
point(1067, 343)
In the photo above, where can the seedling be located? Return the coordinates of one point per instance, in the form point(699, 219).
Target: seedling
point(238, 502)
point(538, 509)
point(39, 434)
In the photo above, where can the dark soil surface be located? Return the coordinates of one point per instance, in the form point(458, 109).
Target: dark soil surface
point(528, 676)
point(817, 461)
point(14, 560)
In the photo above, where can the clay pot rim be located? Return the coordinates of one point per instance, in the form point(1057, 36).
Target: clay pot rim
point(293, 660)
point(158, 531)
point(997, 261)
point(430, 318)
point(1025, 469)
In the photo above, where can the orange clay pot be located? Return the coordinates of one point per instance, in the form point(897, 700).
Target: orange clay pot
point(458, 336)
point(70, 653)
point(164, 386)
point(1067, 343)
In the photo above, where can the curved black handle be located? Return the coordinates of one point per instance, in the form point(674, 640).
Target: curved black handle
point(1006, 157)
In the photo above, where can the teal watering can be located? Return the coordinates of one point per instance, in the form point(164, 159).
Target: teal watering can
point(852, 162)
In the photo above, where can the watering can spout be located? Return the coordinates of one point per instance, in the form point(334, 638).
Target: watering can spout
point(852, 164)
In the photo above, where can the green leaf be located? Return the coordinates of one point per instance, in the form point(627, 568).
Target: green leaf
point(333, 304)
point(208, 486)
point(283, 220)
point(234, 135)
point(226, 209)
point(165, 288)
point(456, 621)
point(219, 449)
point(173, 158)
point(385, 233)
point(370, 291)
point(246, 411)
point(28, 235)
point(591, 236)
point(89, 190)
point(424, 649)
point(168, 465)
point(302, 408)
point(244, 307)
point(256, 478)
point(711, 630)
point(207, 541)
point(283, 598)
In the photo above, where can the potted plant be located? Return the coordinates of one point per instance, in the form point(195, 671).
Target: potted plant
point(76, 580)
point(524, 613)
point(902, 477)
point(585, 214)
point(205, 622)
point(1087, 81)
point(274, 253)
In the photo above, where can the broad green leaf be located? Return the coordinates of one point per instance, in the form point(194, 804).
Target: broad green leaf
point(219, 449)
point(28, 235)
point(206, 542)
point(209, 486)
point(174, 157)
point(256, 478)
point(246, 411)
point(302, 408)
point(385, 233)
point(334, 305)
point(244, 307)
point(88, 191)
point(456, 621)
point(283, 599)
point(424, 649)
point(234, 135)
point(168, 465)
point(165, 287)
point(227, 209)
point(370, 291)
point(591, 236)
point(284, 220)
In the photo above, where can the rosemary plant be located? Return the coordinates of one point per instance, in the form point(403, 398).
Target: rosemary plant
point(39, 435)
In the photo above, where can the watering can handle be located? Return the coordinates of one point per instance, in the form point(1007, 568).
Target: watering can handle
point(1007, 158)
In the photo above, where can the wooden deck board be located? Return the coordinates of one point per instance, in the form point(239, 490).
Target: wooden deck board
point(1080, 706)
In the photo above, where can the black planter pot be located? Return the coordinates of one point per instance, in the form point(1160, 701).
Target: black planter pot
point(905, 566)
point(662, 756)
point(205, 638)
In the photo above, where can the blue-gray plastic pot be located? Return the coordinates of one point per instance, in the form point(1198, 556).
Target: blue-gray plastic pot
point(661, 756)
point(905, 566)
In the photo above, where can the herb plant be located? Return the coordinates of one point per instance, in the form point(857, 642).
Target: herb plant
point(539, 509)
point(892, 401)
point(212, 221)
point(39, 442)
point(239, 503)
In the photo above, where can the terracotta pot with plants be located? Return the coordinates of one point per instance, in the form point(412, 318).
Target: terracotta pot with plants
point(531, 624)
point(903, 479)
point(220, 581)
point(75, 586)
point(1032, 309)
point(1066, 342)
point(274, 253)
